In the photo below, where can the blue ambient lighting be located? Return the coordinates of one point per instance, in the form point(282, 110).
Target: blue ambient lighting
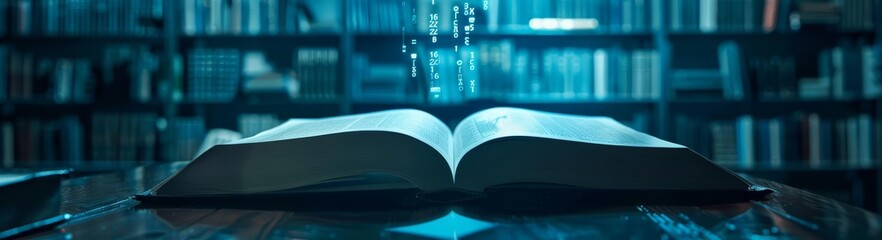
point(450, 226)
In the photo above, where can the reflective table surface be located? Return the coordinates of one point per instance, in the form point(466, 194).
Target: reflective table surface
point(102, 208)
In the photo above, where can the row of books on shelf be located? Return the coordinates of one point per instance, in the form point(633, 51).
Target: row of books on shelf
point(251, 124)
point(389, 16)
point(83, 17)
point(31, 139)
point(804, 139)
point(113, 136)
point(727, 15)
point(269, 17)
point(187, 136)
point(851, 71)
point(124, 136)
point(624, 16)
point(214, 75)
point(503, 72)
point(124, 72)
point(273, 17)
point(105, 136)
point(847, 71)
point(507, 72)
point(709, 16)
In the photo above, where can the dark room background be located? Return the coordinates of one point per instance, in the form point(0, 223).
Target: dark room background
point(787, 90)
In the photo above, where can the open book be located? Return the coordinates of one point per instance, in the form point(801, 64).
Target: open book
point(398, 149)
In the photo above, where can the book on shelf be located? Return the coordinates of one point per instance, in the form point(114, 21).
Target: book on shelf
point(85, 17)
point(731, 80)
point(775, 78)
point(732, 69)
point(134, 67)
point(4, 72)
point(267, 17)
point(709, 16)
point(412, 150)
point(213, 75)
point(847, 71)
point(507, 73)
point(4, 18)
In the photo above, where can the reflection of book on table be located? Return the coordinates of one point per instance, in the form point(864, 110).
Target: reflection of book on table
point(495, 147)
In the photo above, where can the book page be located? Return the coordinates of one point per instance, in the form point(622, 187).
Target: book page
point(496, 123)
point(414, 123)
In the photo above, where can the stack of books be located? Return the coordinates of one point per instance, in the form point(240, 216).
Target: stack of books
point(850, 70)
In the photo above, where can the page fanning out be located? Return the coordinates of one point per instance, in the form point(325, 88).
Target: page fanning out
point(490, 124)
point(501, 122)
point(414, 123)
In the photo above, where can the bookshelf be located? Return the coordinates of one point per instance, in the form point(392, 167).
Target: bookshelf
point(165, 34)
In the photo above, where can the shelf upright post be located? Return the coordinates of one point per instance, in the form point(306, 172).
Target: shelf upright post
point(663, 46)
point(347, 52)
point(170, 45)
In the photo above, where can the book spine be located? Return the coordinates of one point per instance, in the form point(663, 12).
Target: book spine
point(600, 76)
point(8, 144)
point(708, 16)
point(745, 141)
point(776, 142)
point(814, 140)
